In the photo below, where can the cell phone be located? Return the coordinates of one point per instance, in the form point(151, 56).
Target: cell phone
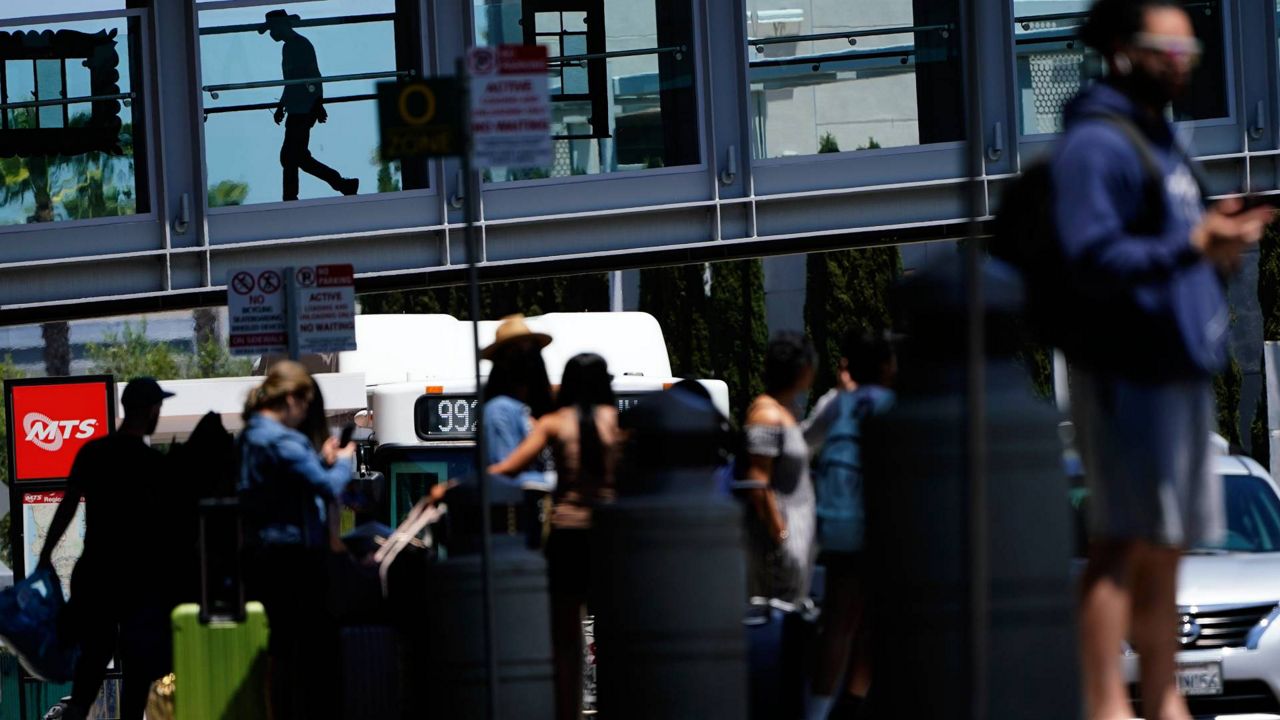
point(347, 432)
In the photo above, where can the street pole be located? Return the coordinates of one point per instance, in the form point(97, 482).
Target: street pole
point(471, 212)
point(978, 600)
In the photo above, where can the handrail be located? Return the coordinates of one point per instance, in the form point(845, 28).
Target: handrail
point(582, 59)
point(851, 35)
point(66, 101)
point(213, 90)
point(1025, 19)
point(817, 61)
point(273, 105)
point(315, 22)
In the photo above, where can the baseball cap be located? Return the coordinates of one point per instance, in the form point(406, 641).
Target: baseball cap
point(142, 392)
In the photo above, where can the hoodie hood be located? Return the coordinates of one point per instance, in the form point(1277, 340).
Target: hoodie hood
point(1103, 98)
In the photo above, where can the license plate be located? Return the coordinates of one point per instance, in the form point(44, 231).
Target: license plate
point(1200, 679)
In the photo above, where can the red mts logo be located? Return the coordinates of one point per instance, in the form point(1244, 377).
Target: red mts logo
point(51, 423)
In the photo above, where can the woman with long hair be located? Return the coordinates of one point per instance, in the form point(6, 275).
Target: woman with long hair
point(781, 505)
point(285, 488)
point(585, 441)
point(516, 394)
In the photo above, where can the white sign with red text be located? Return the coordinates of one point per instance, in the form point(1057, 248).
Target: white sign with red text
point(510, 106)
point(259, 321)
point(323, 308)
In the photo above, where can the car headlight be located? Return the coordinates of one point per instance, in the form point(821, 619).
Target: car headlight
point(1255, 634)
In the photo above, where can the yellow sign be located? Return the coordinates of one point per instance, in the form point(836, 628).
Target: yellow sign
point(420, 118)
point(429, 104)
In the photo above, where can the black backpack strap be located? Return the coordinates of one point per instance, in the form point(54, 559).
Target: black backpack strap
point(1151, 219)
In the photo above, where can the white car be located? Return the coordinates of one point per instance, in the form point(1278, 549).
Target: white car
point(1228, 599)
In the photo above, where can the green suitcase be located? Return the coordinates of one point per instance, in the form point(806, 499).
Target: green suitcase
point(220, 666)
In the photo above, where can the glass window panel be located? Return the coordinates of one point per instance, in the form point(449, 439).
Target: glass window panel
point(895, 79)
point(575, 44)
point(1053, 65)
point(74, 160)
point(303, 63)
point(49, 87)
point(548, 22)
point(575, 80)
point(611, 113)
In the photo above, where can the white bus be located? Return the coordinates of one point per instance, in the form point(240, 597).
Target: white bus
point(412, 383)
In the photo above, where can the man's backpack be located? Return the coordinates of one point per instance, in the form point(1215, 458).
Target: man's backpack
point(1026, 236)
point(838, 469)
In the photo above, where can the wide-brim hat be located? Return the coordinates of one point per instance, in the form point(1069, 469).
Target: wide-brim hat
point(278, 18)
point(512, 330)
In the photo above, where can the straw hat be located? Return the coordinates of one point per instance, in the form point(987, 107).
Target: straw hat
point(514, 329)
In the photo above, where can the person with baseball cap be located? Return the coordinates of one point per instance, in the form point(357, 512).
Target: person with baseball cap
point(116, 602)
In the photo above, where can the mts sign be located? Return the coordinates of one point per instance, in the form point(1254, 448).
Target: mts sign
point(48, 421)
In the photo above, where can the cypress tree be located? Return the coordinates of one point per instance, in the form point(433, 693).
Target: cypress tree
point(537, 296)
point(1269, 300)
point(739, 331)
point(846, 289)
point(677, 298)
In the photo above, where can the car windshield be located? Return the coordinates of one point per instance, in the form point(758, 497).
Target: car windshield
point(1253, 516)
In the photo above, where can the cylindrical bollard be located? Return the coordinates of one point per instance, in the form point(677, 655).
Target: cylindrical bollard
point(917, 513)
point(668, 571)
point(455, 661)
point(669, 635)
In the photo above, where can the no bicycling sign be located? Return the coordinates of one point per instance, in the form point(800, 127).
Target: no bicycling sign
point(291, 310)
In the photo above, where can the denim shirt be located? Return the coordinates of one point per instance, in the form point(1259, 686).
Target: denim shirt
point(506, 424)
point(284, 487)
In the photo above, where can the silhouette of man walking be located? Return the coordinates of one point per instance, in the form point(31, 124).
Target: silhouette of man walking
point(303, 103)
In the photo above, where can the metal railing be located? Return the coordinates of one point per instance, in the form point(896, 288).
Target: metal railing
point(316, 22)
point(850, 35)
point(1026, 20)
point(582, 60)
point(62, 102)
point(214, 90)
point(273, 105)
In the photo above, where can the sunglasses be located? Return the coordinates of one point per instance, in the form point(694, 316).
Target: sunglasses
point(1183, 49)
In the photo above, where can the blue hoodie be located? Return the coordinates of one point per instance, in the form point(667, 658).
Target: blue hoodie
point(1154, 308)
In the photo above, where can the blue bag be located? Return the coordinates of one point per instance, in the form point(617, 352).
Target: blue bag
point(29, 625)
point(838, 476)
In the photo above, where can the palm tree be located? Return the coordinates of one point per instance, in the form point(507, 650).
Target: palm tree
point(88, 185)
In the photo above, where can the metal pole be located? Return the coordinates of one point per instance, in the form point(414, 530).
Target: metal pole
point(978, 599)
point(471, 201)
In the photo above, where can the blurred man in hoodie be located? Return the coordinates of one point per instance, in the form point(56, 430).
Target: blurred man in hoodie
point(1147, 260)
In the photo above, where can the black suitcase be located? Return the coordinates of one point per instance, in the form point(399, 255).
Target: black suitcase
point(370, 672)
point(780, 647)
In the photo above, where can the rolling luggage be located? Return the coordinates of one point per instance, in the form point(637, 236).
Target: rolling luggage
point(220, 645)
point(780, 641)
point(220, 665)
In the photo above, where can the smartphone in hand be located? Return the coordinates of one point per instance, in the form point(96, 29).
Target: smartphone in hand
point(347, 432)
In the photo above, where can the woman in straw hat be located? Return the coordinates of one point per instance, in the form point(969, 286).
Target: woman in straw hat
point(516, 393)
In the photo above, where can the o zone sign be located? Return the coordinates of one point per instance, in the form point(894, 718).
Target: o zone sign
point(48, 420)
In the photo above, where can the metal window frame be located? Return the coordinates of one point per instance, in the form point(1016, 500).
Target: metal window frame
point(1210, 136)
point(728, 206)
point(509, 200)
point(819, 171)
point(232, 227)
